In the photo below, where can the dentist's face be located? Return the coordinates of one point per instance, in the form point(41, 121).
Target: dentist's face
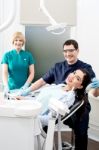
point(70, 53)
point(18, 43)
point(75, 79)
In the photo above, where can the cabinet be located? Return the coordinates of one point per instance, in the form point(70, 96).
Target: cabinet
point(94, 118)
point(60, 10)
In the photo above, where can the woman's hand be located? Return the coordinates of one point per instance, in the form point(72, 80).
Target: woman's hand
point(19, 97)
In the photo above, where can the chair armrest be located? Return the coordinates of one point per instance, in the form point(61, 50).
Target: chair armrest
point(73, 109)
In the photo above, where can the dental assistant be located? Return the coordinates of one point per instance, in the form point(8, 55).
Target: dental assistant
point(17, 65)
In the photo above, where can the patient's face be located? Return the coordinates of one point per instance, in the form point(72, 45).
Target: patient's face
point(75, 79)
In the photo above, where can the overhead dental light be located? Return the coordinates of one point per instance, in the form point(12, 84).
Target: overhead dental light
point(55, 28)
point(11, 16)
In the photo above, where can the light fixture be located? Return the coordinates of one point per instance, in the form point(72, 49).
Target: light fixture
point(55, 28)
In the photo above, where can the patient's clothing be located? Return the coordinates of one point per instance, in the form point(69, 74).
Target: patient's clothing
point(53, 91)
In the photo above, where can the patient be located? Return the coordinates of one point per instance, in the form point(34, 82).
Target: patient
point(75, 87)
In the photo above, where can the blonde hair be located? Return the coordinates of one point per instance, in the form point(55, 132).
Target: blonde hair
point(18, 35)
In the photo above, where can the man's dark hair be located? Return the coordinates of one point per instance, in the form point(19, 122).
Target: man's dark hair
point(71, 42)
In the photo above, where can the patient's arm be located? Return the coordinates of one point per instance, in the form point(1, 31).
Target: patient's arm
point(19, 97)
point(94, 92)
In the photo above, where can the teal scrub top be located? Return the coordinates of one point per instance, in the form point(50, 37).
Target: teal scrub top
point(18, 67)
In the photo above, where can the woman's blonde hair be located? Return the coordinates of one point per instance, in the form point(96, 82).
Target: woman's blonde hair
point(18, 35)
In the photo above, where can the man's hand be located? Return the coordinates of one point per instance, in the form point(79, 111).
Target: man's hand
point(94, 84)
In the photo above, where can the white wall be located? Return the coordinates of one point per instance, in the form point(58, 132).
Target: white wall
point(15, 26)
point(87, 32)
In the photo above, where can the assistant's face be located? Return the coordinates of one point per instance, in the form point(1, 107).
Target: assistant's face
point(75, 79)
point(70, 53)
point(18, 43)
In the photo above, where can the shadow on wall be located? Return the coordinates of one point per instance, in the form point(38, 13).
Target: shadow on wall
point(45, 47)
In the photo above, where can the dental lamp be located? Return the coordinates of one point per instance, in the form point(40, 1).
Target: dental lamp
point(55, 27)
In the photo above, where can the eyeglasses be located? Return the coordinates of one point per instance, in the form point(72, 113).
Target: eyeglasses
point(69, 50)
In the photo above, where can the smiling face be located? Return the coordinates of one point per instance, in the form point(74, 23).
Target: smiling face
point(70, 53)
point(18, 43)
point(75, 79)
point(18, 40)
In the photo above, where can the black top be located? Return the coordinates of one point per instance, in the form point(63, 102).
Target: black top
point(60, 71)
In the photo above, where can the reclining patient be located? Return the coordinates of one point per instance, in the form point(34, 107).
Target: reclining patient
point(75, 88)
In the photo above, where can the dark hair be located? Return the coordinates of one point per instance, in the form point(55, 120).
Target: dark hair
point(81, 93)
point(71, 42)
point(86, 80)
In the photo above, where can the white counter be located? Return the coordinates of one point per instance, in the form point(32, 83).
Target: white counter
point(18, 124)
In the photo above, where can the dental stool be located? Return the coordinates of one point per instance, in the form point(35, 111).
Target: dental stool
point(63, 114)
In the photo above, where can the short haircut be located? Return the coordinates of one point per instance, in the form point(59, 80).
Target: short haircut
point(18, 35)
point(71, 42)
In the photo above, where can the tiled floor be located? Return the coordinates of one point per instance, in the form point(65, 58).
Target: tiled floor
point(92, 145)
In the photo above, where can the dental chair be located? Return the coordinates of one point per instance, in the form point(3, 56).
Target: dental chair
point(59, 115)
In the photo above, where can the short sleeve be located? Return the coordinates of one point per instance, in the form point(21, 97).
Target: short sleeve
point(5, 59)
point(49, 76)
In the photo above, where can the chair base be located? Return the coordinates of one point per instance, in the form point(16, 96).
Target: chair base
point(67, 146)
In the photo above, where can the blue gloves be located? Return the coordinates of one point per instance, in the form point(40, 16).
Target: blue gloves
point(25, 86)
point(6, 91)
point(94, 84)
point(25, 92)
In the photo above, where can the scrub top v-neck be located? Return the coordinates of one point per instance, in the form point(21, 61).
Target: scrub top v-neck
point(18, 67)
